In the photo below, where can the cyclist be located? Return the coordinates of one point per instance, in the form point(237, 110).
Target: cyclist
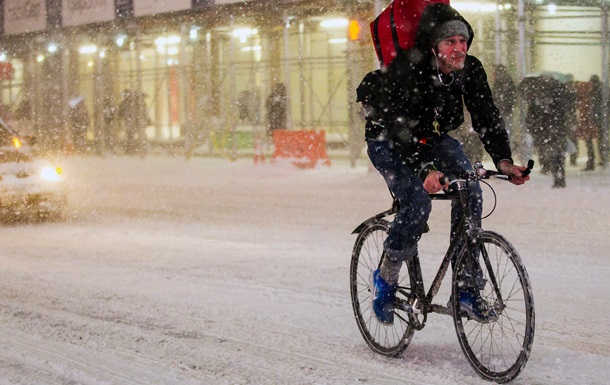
point(411, 107)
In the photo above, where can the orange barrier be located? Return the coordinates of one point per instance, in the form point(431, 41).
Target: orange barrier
point(304, 148)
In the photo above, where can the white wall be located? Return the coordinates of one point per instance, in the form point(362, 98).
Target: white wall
point(572, 53)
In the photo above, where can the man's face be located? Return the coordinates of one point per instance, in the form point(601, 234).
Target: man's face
point(451, 53)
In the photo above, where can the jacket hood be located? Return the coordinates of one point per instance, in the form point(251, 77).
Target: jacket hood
point(434, 15)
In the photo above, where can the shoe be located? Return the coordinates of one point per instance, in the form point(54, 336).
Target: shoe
point(383, 295)
point(476, 307)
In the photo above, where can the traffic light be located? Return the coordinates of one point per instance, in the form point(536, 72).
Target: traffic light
point(354, 30)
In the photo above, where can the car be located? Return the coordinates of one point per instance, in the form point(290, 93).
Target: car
point(31, 186)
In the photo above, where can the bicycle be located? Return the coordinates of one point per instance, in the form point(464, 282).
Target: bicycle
point(497, 349)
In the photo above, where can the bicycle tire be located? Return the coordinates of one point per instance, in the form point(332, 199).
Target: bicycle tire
point(498, 350)
point(389, 340)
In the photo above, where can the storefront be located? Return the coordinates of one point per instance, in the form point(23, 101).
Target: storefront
point(204, 71)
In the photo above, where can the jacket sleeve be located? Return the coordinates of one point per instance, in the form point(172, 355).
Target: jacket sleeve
point(486, 119)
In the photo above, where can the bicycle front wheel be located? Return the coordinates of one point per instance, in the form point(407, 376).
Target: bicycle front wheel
point(390, 340)
point(497, 348)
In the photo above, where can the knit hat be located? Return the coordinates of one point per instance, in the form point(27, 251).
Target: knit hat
point(447, 29)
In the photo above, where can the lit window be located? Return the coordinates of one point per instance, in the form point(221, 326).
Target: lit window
point(334, 23)
point(87, 49)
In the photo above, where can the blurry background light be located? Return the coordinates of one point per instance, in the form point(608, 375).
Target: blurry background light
point(173, 39)
point(244, 33)
point(338, 40)
point(52, 47)
point(353, 30)
point(162, 44)
point(86, 49)
point(50, 173)
point(334, 23)
point(474, 6)
point(120, 40)
point(253, 48)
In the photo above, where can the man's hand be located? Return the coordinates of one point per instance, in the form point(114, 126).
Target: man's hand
point(513, 172)
point(433, 182)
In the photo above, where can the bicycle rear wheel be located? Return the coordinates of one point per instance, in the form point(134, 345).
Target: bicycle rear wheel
point(499, 349)
point(390, 340)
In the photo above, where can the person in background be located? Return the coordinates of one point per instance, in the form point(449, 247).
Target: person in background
point(277, 110)
point(132, 111)
point(243, 106)
point(591, 118)
point(546, 100)
point(572, 119)
point(504, 94)
point(79, 123)
point(108, 119)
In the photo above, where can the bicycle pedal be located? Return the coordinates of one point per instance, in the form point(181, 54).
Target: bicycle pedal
point(404, 306)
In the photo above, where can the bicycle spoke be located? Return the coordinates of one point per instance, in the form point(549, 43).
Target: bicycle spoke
point(386, 339)
point(499, 348)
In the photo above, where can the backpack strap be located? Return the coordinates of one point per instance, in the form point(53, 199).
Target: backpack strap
point(397, 48)
point(376, 39)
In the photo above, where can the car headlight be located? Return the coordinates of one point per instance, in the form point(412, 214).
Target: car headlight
point(50, 173)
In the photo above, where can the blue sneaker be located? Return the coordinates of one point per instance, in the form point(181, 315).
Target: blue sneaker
point(476, 307)
point(383, 298)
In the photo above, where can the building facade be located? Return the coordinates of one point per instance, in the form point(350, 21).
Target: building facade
point(203, 69)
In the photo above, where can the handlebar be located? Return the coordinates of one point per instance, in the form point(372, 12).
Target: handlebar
point(524, 173)
point(481, 173)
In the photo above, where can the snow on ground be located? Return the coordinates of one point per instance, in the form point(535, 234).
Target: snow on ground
point(205, 271)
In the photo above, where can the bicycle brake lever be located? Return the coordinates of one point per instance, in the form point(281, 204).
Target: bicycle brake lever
point(530, 166)
point(524, 173)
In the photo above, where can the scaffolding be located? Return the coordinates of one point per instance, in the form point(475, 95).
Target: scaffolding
point(195, 86)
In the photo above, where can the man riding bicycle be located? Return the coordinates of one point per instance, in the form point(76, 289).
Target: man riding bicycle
point(411, 107)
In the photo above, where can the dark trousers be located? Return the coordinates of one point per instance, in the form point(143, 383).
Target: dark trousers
point(414, 203)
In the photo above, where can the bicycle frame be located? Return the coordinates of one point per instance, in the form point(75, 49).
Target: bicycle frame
point(467, 231)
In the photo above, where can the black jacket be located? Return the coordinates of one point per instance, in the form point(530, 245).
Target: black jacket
point(413, 97)
point(548, 102)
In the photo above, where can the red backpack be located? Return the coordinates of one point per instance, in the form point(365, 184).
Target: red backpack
point(394, 30)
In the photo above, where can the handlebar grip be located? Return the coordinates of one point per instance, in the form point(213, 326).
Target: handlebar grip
point(530, 166)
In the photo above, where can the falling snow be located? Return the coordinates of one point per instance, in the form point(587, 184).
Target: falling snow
point(205, 271)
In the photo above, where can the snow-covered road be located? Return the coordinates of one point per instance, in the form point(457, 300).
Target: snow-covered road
point(204, 271)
